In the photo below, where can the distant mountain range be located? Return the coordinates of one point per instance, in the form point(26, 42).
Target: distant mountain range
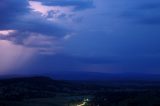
point(81, 75)
point(74, 75)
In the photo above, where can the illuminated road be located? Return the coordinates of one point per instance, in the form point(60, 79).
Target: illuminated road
point(84, 102)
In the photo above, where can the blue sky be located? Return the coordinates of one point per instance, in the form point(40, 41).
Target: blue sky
point(105, 36)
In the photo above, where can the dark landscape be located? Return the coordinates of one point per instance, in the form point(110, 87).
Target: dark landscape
point(45, 91)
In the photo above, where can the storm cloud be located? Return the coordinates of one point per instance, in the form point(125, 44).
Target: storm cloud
point(80, 35)
point(25, 31)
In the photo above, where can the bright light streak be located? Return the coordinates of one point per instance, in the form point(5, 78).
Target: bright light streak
point(82, 104)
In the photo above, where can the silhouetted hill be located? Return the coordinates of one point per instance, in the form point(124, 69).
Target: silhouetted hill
point(33, 87)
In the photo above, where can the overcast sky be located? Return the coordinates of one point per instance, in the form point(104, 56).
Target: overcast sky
point(106, 36)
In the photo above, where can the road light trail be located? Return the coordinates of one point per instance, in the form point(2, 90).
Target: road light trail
point(84, 102)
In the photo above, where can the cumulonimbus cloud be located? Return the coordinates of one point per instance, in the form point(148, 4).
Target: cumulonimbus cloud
point(30, 27)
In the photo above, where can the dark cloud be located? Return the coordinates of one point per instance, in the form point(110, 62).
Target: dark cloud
point(78, 4)
point(147, 6)
point(12, 9)
point(16, 15)
point(144, 13)
point(150, 20)
point(40, 25)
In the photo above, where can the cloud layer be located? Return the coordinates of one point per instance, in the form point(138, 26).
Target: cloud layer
point(82, 35)
point(33, 27)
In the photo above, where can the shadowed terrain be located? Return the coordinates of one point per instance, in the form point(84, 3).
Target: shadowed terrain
point(41, 91)
point(45, 91)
